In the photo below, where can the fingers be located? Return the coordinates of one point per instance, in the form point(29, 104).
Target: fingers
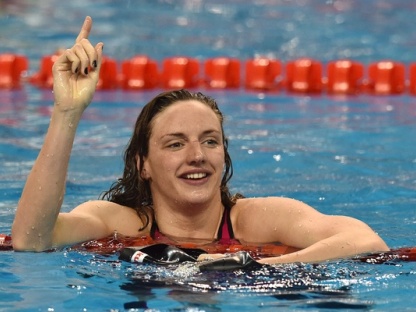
point(85, 29)
point(84, 57)
point(99, 52)
point(208, 257)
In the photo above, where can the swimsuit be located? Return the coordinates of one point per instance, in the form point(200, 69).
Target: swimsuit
point(225, 231)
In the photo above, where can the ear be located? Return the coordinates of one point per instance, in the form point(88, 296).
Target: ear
point(144, 174)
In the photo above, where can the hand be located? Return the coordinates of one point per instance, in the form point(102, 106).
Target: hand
point(209, 257)
point(76, 72)
point(232, 261)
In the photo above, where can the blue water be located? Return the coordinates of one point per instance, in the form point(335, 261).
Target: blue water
point(343, 155)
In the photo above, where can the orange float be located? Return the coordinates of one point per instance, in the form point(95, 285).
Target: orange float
point(180, 72)
point(344, 77)
point(139, 72)
point(386, 77)
point(108, 79)
point(304, 76)
point(263, 74)
point(222, 73)
point(43, 78)
point(12, 67)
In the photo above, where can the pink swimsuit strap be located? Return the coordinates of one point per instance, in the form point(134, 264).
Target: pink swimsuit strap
point(225, 231)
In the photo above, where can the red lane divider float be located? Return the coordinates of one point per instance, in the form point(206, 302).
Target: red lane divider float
point(303, 75)
point(180, 72)
point(386, 77)
point(138, 73)
point(344, 77)
point(43, 78)
point(114, 244)
point(263, 74)
point(222, 73)
point(12, 68)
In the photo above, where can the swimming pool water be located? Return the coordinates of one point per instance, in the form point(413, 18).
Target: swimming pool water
point(343, 157)
point(351, 155)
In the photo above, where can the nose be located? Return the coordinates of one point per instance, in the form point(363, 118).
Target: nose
point(195, 153)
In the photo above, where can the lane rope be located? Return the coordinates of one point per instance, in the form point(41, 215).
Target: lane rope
point(261, 74)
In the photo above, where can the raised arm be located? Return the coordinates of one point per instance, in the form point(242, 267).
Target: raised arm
point(75, 73)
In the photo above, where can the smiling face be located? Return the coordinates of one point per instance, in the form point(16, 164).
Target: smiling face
point(185, 160)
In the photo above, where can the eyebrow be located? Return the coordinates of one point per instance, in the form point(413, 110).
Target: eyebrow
point(182, 135)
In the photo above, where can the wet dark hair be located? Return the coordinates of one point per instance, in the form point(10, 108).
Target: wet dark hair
point(133, 191)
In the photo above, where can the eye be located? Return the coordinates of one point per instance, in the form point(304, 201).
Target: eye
point(175, 145)
point(211, 142)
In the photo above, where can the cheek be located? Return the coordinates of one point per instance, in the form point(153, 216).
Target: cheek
point(170, 163)
point(220, 159)
point(161, 165)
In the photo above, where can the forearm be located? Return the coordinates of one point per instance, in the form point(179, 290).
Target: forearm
point(342, 245)
point(44, 191)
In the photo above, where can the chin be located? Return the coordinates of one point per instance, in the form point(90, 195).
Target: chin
point(198, 200)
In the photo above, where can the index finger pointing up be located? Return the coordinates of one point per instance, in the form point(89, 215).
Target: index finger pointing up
point(85, 29)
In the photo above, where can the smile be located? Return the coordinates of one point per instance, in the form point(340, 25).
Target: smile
point(194, 176)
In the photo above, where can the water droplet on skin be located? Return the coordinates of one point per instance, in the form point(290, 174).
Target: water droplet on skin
point(40, 188)
point(27, 233)
point(33, 228)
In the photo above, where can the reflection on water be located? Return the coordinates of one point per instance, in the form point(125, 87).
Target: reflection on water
point(346, 284)
point(330, 286)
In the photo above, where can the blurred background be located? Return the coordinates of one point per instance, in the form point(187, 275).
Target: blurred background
point(286, 29)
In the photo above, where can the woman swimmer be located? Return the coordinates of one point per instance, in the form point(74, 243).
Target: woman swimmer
point(174, 182)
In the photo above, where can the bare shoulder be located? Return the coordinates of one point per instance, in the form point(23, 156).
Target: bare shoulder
point(267, 218)
point(116, 217)
point(248, 206)
point(101, 207)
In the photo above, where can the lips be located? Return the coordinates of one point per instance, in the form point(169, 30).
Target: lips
point(195, 175)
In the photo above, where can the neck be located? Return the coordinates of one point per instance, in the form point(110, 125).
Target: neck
point(191, 221)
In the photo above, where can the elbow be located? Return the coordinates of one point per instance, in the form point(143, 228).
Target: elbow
point(378, 245)
point(23, 242)
point(19, 245)
point(372, 244)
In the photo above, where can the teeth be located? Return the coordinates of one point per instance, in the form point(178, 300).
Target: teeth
point(196, 175)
